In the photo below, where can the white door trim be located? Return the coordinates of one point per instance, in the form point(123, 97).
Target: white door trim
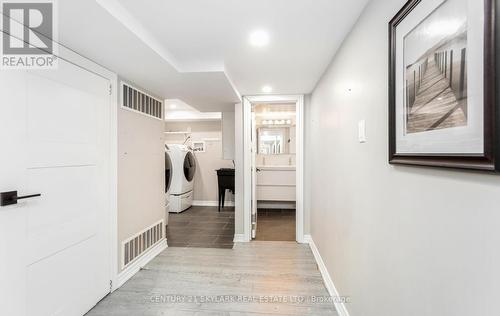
point(247, 169)
point(247, 156)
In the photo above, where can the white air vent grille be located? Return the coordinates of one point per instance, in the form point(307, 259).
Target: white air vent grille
point(139, 101)
point(136, 245)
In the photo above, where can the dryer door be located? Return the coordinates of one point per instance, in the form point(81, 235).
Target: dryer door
point(168, 172)
point(189, 166)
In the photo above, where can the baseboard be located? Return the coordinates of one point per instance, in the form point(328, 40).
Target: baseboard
point(277, 205)
point(239, 238)
point(133, 268)
point(307, 239)
point(339, 306)
point(211, 203)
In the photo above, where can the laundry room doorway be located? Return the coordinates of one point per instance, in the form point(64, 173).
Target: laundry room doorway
point(198, 220)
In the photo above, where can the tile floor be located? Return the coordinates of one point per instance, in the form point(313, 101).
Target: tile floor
point(201, 226)
point(275, 225)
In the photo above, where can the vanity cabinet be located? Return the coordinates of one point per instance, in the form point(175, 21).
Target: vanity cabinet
point(275, 183)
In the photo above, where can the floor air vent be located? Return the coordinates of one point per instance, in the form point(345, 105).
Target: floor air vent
point(136, 100)
point(136, 245)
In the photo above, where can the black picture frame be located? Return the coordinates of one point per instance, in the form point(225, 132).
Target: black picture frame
point(489, 161)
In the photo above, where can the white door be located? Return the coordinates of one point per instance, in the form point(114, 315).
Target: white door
point(254, 177)
point(55, 250)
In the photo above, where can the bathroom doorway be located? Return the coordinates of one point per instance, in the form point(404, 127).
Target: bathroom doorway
point(273, 150)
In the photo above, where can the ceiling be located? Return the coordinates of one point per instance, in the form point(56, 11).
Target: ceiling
point(198, 50)
point(177, 110)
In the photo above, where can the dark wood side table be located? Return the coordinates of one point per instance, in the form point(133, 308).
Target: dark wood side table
point(225, 179)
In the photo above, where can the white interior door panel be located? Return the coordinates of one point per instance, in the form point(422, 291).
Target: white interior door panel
point(54, 125)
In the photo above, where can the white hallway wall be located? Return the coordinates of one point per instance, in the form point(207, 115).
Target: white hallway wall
point(397, 240)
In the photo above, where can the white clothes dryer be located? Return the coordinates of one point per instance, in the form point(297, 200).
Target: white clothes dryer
point(183, 171)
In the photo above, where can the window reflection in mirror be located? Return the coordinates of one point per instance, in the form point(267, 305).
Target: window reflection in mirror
point(275, 127)
point(273, 140)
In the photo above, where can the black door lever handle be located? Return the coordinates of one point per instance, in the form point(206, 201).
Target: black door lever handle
point(11, 197)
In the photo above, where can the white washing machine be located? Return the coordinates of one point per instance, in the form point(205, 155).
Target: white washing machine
point(168, 182)
point(183, 171)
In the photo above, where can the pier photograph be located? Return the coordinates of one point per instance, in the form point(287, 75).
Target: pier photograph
point(436, 71)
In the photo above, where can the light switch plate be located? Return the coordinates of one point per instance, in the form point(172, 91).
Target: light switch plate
point(362, 131)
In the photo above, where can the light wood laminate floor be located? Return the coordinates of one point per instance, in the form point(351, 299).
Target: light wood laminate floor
point(250, 279)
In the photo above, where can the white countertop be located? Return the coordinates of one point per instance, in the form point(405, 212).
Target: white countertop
point(277, 167)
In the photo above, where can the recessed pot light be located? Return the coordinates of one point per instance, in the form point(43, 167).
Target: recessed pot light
point(267, 89)
point(259, 38)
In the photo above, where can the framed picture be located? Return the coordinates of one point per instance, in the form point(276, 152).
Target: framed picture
point(442, 91)
point(199, 146)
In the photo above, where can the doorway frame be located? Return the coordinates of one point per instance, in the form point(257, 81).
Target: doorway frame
point(248, 101)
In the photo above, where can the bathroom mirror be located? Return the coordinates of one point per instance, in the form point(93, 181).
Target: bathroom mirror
point(274, 140)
